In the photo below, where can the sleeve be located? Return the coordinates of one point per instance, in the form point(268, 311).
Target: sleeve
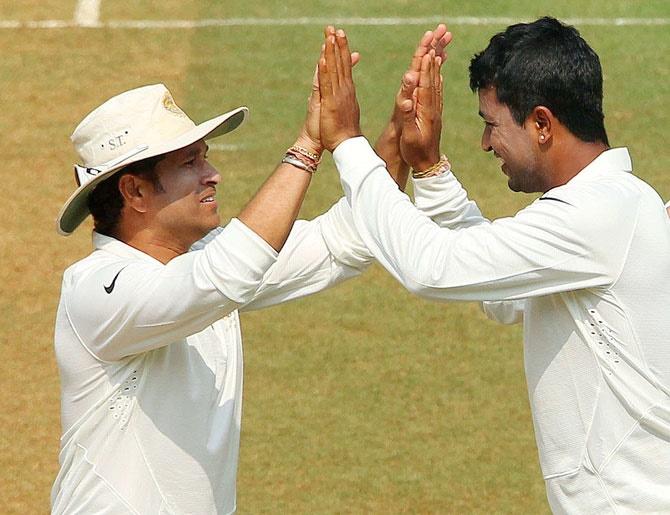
point(318, 254)
point(150, 305)
point(445, 201)
point(548, 247)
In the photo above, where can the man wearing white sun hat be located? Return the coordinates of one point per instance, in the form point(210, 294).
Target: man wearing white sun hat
point(147, 334)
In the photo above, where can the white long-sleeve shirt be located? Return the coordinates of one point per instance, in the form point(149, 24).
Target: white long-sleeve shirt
point(592, 260)
point(443, 199)
point(150, 360)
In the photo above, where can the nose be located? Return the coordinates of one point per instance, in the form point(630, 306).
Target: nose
point(486, 140)
point(211, 175)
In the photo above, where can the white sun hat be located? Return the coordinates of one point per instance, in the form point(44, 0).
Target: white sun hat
point(135, 125)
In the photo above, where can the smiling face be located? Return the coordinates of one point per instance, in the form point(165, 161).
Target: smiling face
point(183, 204)
point(515, 145)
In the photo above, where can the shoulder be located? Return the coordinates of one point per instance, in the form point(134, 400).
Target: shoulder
point(97, 268)
point(598, 198)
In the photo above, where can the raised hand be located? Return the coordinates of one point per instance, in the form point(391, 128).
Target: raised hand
point(388, 143)
point(437, 41)
point(422, 117)
point(310, 134)
point(340, 114)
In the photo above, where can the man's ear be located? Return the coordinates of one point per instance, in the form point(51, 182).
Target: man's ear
point(134, 191)
point(544, 123)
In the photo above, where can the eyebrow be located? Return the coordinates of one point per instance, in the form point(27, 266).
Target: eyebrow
point(196, 150)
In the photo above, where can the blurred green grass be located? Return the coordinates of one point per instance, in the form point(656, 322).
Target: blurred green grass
point(363, 398)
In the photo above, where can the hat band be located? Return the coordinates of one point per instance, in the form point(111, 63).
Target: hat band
point(84, 174)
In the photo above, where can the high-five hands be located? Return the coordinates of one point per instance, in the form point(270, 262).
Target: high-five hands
point(418, 108)
point(340, 114)
point(436, 40)
point(387, 145)
point(422, 116)
point(310, 135)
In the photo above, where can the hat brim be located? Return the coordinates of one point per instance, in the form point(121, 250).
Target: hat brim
point(75, 210)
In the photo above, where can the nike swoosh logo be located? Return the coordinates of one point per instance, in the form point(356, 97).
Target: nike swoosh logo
point(109, 288)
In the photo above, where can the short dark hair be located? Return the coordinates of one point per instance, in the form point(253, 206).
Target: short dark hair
point(545, 63)
point(105, 201)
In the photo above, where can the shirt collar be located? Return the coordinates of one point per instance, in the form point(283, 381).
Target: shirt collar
point(614, 159)
point(119, 248)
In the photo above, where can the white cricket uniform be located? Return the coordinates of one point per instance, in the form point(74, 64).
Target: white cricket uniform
point(150, 359)
point(592, 260)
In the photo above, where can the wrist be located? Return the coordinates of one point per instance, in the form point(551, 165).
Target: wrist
point(437, 168)
point(309, 145)
point(344, 137)
point(425, 162)
point(302, 157)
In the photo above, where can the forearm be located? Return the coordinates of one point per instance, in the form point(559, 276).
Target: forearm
point(387, 147)
point(541, 251)
point(273, 210)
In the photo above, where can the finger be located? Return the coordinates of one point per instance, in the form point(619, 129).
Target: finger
point(436, 81)
point(407, 108)
point(437, 41)
point(407, 88)
point(331, 61)
point(421, 50)
point(424, 72)
point(424, 98)
point(325, 85)
point(355, 58)
point(439, 32)
point(440, 96)
point(315, 77)
point(338, 60)
point(442, 43)
point(345, 55)
point(315, 93)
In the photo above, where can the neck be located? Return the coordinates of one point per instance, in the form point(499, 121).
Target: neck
point(570, 157)
point(158, 247)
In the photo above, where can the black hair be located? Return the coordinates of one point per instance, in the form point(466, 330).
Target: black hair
point(545, 63)
point(105, 201)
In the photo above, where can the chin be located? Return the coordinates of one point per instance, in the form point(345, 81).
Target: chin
point(522, 186)
point(515, 186)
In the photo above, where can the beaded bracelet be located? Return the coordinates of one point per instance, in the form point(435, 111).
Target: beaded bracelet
point(302, 158)
point(305, 152)
point(292, 160)
point(438, 168)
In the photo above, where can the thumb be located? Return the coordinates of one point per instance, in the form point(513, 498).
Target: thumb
point(407, 87)
point(408, 115)
point(406, 107)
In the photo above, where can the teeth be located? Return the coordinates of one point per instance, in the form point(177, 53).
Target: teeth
point(208, 199)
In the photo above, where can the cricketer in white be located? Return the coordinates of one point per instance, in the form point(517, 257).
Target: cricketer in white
point(164, 349)
point(596, 351)
point(586, 266)
point(147, 335)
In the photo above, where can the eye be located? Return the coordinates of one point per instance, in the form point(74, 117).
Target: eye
point(190, 162)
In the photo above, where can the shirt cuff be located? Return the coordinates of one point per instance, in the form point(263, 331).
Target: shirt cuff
point(442, 184)
point(355, 160)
